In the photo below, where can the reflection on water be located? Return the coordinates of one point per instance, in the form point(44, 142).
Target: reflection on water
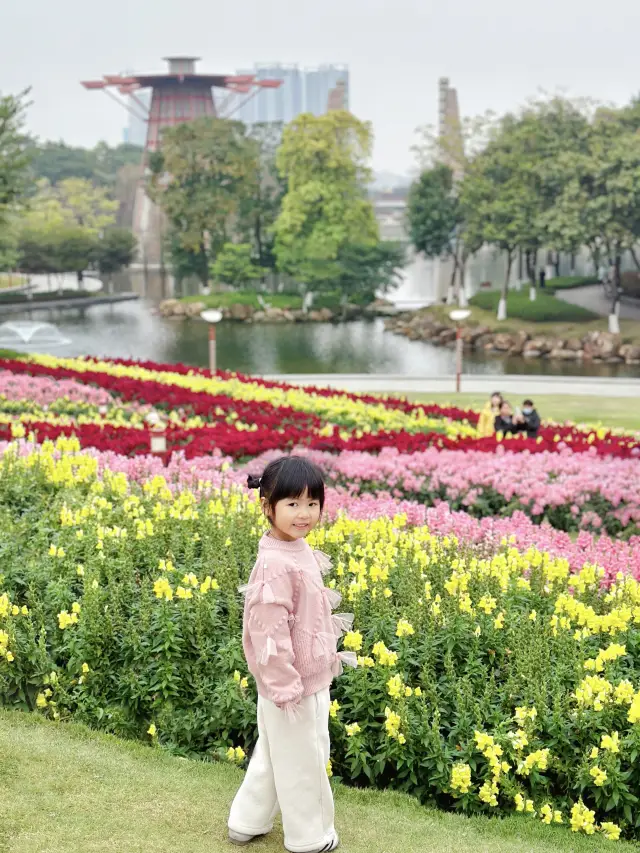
point(133, 330)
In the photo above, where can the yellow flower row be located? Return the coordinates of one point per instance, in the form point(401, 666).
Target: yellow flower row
point(335, 409)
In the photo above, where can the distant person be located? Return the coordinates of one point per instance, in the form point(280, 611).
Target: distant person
point(489, 414)
point(542, 277)
point(505, 421)
point(529, 419)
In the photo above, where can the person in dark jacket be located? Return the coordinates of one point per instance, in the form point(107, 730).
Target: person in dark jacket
point(530, 419)
point(505, 422)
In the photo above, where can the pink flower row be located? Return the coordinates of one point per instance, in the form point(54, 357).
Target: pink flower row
point(45, 391)
point(575, 490)
point(487, 534)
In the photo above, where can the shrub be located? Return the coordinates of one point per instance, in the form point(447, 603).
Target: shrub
point(545, 309)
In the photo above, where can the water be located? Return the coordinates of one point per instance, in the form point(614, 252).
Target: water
point(134, 330)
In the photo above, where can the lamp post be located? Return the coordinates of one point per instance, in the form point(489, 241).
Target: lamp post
point(158, 434)
point(459, 316)
point(212, 316)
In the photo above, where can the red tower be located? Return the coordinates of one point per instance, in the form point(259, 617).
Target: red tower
point(178, 95)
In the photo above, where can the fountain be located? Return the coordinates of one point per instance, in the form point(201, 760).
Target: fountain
point(17, 334)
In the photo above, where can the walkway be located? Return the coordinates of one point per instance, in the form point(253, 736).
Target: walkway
point(79, 303)
point(377, 383)
point(592, 297)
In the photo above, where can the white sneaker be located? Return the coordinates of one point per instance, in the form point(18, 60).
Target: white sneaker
point(240, 838)
point(330, 845)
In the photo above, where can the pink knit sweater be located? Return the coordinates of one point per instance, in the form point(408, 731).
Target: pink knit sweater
point(289, 635)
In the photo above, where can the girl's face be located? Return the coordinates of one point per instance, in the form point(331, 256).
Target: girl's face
point(294, 518)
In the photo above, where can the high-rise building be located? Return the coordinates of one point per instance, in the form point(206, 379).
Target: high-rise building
point(320, 82)
point(313, 90)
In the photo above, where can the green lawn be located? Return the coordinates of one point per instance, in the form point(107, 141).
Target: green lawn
point(12, 279)
point(568, 282)
point(286, 301)
point(65, 789)
point(612, 411)
point(546, 308)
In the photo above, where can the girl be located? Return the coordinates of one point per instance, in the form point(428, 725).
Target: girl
point(289, 640)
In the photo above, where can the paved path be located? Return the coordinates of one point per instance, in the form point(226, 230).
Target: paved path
point(592, 297)
point(581, 386)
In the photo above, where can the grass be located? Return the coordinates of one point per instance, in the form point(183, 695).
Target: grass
point(65, 789)
point(568, 282)
point(545, 309)
point(285, 301)
point(612, 411)
point(629, 329)
point(12, 280)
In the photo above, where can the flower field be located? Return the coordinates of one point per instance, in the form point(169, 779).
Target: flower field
point(495, 583)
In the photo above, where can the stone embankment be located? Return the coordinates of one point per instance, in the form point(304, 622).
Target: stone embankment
point(248, 314)
point(592, 346)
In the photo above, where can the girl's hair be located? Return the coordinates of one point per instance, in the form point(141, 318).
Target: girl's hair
point(289, 477)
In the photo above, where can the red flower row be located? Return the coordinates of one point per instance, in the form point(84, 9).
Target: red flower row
point(452, 412)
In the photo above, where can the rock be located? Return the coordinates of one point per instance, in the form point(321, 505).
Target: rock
point(314, 317)
point(574, 344)
point(630, 353)
point(565, 354)
point(288, 316)
point(614, 359)
point(446, 336)
point(258, 317)
point(502, 342)
point(194, 309)
point(166, 307)
point(238, 311)
point(542, 345)
point(532, 353)
point(601, 345)
point(326, 315)
point(180, 309)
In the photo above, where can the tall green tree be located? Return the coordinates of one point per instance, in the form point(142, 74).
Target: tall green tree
point(200, 177)
point(234, 266)
point(599, 205)
point(325, 162)
point(435, 219)
point(114, 251)
point(14, 156)
point(260, 208)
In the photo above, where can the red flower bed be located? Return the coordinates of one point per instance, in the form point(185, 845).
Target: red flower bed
point(277, 427)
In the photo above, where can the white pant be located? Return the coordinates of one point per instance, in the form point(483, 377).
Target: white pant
point(288, 771)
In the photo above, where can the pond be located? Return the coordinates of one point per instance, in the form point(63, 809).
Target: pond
point(136, 330)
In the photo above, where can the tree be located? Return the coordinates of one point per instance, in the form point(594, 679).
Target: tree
point(9, 253)
point(73, 249)
point(57, 161)
point(435, 218)
point(365, 270)
point(199, 178)
point(325, 162)
point(14, 157)
point(260, 209)
point(88, 206)
point(234, 265)
point(599, 205)
point(56, 247)
point(115, 251)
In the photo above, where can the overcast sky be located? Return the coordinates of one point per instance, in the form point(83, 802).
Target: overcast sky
point(496, 53)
